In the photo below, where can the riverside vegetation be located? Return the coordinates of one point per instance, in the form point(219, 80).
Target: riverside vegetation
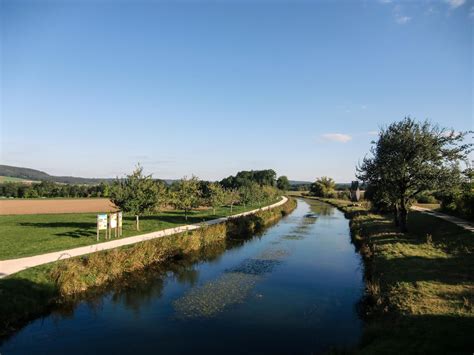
point(419, 284)
point(36, 291)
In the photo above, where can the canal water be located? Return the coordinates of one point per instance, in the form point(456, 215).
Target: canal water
point(292, 289)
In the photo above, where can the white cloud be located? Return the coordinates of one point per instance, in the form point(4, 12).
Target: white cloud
point(373, 133)
point(385, 1)
point(337, 137)
point(455, 3)
point(471, 12)
point(401, 20)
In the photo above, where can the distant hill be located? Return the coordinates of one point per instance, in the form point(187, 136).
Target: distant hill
point(37, 175)
point(27, 175)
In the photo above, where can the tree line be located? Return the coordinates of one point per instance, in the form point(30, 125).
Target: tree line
point(49, 189)
point(138, 194)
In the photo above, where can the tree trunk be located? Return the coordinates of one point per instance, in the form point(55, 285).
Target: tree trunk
point(396, 216)
point(185, 214)
point(137, 222)
point(230, 208)
point(403, 217)
point(214, 210)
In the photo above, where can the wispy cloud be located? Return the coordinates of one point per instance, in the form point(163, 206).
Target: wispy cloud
point(471, 12)
point(455, 3)
point(372, 133)
point(337, 137)
point(385, 1)
point(401, 19)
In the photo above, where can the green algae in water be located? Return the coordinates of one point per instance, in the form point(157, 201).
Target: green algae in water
point(294, 237)
point(213, 297)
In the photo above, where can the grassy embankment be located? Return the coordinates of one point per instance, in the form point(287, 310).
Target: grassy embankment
point(26, 235)
point(419, 285)
point(35, 291)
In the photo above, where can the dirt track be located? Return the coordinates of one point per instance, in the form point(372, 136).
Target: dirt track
point(41, 206)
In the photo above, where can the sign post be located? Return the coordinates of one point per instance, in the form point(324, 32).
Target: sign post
point(101, 224)
point(119, 218)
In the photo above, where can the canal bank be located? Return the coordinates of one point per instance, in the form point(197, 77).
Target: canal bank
point(291, 289)
point(419, 285)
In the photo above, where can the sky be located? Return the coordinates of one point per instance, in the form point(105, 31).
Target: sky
point(91, 88)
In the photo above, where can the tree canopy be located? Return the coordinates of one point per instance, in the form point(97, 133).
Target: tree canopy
point(409, 158)
point(136, 193)
point(283, 183)
point(245, 178)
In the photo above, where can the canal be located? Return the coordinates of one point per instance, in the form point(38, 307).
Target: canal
point(292, 289)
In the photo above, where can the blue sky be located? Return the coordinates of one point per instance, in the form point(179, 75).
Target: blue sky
point(90, 88)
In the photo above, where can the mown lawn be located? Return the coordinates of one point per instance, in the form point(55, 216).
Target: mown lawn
point(26, 235)
point(420, 284)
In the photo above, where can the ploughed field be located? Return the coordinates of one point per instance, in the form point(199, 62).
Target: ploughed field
point(48, 206)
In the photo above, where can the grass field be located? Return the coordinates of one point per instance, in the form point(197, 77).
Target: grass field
point(420, 284)
point(26, 235)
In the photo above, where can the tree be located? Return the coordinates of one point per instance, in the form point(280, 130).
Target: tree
point(250, 193)
point(136, 194)
point(232, 196)
point(216, 196)
point(186, 194)
point(323, 187)
point(283, 183)
point(408, 159)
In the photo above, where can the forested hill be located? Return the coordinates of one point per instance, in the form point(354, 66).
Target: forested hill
point(37, 175)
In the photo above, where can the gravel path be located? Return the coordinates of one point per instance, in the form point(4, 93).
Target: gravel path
point(9, 267)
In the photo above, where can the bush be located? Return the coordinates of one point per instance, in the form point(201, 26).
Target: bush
point(426, 197)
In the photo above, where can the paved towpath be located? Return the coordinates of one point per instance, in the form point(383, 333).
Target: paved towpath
point(458, 221)
point(9, 267)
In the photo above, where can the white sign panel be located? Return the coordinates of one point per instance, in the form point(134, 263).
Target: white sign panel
point(102, 221)
point(113, 220)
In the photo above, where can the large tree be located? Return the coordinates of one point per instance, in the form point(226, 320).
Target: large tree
point(323, 187)
point(409, 158)
point(136, 194)
point(283, 183)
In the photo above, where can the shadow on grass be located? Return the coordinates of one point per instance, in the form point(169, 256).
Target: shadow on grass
point(81, 229)
point(452, 271)
point(22, 300)
point(78, 225)
point(420, 334)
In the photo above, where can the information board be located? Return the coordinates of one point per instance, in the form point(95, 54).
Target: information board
point(113, 220)
point(102, 222)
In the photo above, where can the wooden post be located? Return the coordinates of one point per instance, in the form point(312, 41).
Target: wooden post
point(97, 228)
point(108, 226)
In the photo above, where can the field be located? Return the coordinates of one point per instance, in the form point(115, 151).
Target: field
point(4, 179)
point(26, 235)
point(420, 285)
point(46, 206)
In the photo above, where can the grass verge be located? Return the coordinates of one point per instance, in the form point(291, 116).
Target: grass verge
point(34, 292)
point(419, 285)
